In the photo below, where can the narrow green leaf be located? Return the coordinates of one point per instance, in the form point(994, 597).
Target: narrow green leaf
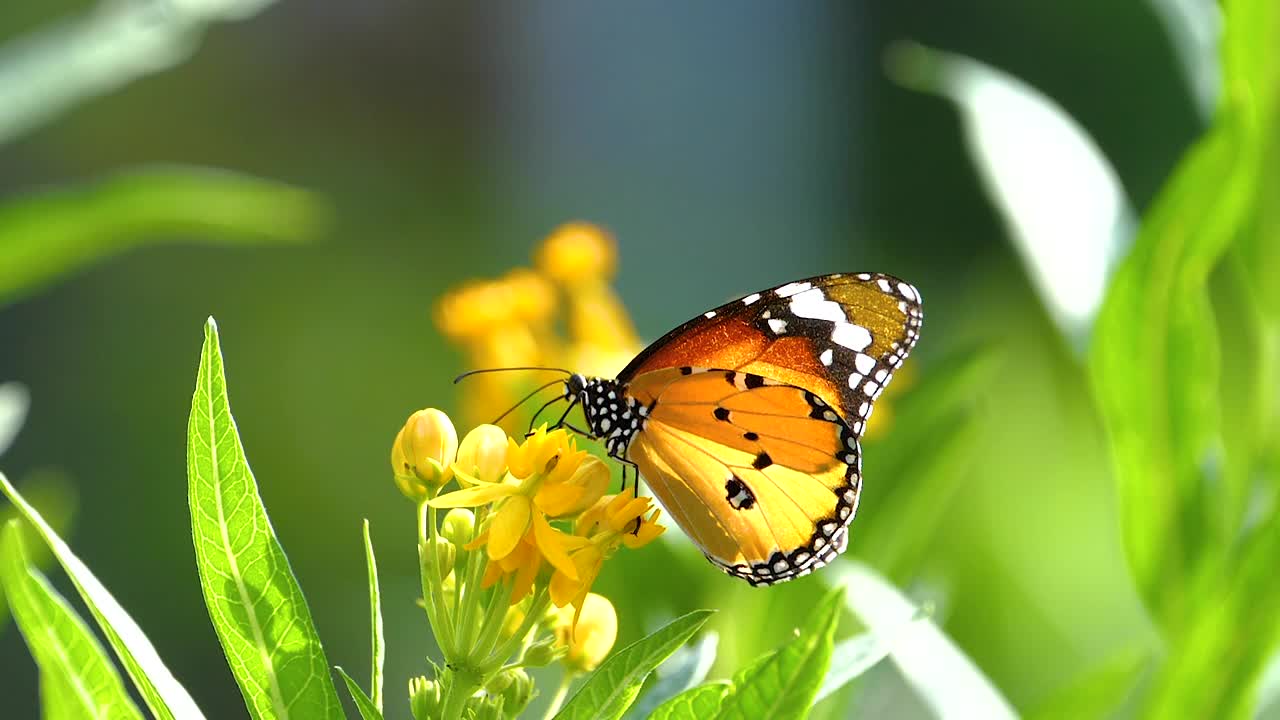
point(948, 681)
point(693, 704)
point(368, 710)
point(687, 667)
point(162, 693)
point(377, 640)
point(612, 688)
point(70, 658)
point(254, 600)
point(14, 401)
point(46, 236)
point(783, 684)
point(851, 658)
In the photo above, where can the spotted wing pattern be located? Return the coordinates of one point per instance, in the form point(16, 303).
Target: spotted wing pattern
point(762, 476)
point(838, 336)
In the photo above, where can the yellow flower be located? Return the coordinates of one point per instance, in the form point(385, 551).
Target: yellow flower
point(589, 642)
point(611, 522)
point(482, 456)
point(548, 477)
point(423, 452)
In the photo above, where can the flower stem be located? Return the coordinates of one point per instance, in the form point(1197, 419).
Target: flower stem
point(432, 583)
point(536, 610)
point(459, 685)
point(472, 597)
point(562, 692)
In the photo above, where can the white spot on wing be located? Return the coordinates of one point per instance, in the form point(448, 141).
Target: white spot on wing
point(855, 380)
point(777, 326)
point(854, 337)
point(865, 363)
point(870, 388)
point(864, 276)
point(815, 305)
point(907, 291)
point(792, 288)
point(709, 314)
point(884, 285)
point(826, 357)
point(750, 298)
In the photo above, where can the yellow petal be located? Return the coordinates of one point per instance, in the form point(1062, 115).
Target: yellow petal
point(474, 496)
point(509, 524)
point(553, 549)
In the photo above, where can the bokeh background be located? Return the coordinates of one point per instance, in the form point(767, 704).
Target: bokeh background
point(728, 149)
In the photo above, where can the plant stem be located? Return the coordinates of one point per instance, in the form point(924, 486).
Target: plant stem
point(566, 679)
point(471, 599)
point(459, 685)
point(536, 610)
point(432, 584)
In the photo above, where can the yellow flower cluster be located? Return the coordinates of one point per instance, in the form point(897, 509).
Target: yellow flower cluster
point(529, 485)
point(511, 321)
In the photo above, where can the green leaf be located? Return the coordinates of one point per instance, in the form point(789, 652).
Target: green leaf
point(687, 667)
point(377, 640)
point(783, 683)
point(1101, 692)
point(948, 681)
point(254, 600)
point(612, 688)
point(165, 697)
point(14, 401)
point(851, 658)
point(368, 710)
point(1155, 363)
point(46, 236)
point(897, 530)
point(72, 661)
point(693, 704)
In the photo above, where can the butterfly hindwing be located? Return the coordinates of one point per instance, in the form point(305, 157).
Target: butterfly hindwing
point(763, 476)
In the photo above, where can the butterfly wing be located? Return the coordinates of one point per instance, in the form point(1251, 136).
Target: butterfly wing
point(838, 336)
point(754, 414)
point(762, 476)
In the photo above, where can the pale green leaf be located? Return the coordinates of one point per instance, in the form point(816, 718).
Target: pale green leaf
point(48, 235)
point(783, 683)
point(948, 681)
point(162, 693)
point(693, 704)
point(14, 401)
point(254, 600)
point(377, 638)
point(1100, 692)
point(70, 658)
point(611, 689)
point(368, 710)
point(851, 658)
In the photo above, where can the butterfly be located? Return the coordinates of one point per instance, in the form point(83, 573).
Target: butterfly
point(745, 421)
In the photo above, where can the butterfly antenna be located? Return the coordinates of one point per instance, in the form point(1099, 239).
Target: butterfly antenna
point(469, 373)
point(560, 422)
point(548, 404)
point(524, 399)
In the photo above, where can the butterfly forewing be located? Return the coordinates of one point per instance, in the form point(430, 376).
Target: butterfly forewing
point(839, 336)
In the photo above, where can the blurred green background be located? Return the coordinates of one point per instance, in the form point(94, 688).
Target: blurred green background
point(728, 151)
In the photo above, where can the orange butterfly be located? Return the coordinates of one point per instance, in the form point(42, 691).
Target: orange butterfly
point(745, 421)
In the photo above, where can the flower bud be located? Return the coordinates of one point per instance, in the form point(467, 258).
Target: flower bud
point(486, 707)
point(446, 555)
point(483, 454)
point(577, 251)
point(424, 699)
point(544, 652)
point(458, 525)
point(589, 643)
point(423, 453)
point(517, 690)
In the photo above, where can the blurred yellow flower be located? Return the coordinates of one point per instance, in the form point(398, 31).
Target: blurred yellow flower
point(588, 643)
point(423, 453)
point(880, 421)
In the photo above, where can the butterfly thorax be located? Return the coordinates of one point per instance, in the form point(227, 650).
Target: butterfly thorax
point(612, 415)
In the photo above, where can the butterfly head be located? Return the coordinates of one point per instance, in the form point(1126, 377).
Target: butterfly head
point(612, 414)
